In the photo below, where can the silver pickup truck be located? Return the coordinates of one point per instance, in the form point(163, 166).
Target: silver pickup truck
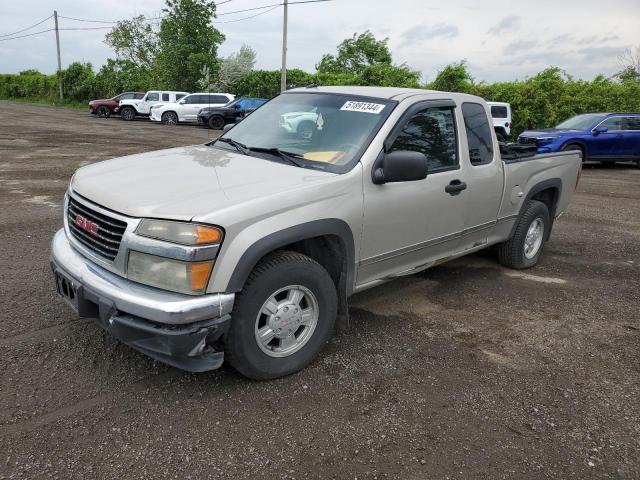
point(249, 247)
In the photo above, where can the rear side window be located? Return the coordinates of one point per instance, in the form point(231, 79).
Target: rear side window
point(478, 133)
point(499, 112)
point(431, 131)
point(631, 123)
point(126, 96)
point(165, 97)
point(138, 96)
point(218, 99)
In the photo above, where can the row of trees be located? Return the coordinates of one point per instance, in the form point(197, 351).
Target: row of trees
point(179, 51)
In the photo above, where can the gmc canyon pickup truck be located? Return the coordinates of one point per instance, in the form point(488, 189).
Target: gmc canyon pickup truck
point(249, 247)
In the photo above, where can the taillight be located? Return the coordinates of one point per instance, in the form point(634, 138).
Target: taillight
point(507, 125)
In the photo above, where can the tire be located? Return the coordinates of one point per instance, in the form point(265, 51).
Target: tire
point(216, 122)
point(170, 118)
point(305, 129)
point(103, 111)
point(501, 138)
point(127, 113)
point(575, 147)
point(519, 252)
point(283, 272)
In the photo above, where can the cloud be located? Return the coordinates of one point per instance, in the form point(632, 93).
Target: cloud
point(422, 33)
point(520, 46)
point(507, 23)
point(594, 54)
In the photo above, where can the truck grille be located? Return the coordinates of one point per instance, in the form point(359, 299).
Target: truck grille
point(96, 231)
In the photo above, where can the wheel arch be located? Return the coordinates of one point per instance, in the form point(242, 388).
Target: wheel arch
point(579, 143)
point(329, 241)
point(548, 192)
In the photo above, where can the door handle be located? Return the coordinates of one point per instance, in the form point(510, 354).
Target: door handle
point(455, 187)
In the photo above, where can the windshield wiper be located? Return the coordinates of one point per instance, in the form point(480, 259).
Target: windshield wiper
point(288, 156)
point(241, 147)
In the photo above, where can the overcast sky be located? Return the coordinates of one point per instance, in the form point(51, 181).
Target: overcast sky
point(501, 40)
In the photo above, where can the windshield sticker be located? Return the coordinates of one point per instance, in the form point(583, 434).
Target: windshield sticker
point(353, 106)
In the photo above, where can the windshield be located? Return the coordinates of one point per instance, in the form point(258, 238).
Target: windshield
point(579, 122)
point(321, 130)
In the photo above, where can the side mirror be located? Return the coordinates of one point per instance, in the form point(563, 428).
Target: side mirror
point(182, 102)
point(599, 130)
point(401, 166)
point(228, 126)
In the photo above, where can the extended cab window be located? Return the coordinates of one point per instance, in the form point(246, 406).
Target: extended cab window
point(478, 133)
point(153, 97)
point(431, 131)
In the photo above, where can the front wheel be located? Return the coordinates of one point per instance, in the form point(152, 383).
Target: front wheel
point(216, 122)
point(103, 111)
point(282, 318)
point(524, 248)
point(127, 113)
point(169, 118)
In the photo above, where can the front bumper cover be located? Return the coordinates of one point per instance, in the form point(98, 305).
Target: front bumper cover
point(172, 328)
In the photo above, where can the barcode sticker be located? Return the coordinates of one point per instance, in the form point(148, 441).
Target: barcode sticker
point(353, 106)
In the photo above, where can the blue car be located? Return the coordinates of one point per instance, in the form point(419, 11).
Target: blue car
point(605, 137)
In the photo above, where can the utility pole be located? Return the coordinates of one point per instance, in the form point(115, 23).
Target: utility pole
point(283, 72)
point(55, 19)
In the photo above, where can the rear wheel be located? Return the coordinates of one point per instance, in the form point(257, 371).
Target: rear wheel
point(170, 118)
point(216, 122)
point(524, 248)
point(282, 318)
point(127, 113)
point(103, 111)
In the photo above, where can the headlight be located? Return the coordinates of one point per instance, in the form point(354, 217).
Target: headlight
point(545, 140)
point(179, 232)
point(183, 277)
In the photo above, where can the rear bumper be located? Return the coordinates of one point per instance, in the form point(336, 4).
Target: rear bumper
point(172, 328)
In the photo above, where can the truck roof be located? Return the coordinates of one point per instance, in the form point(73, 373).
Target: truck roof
point(389, 93)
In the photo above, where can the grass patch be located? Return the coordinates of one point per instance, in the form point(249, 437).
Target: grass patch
point(52, 103)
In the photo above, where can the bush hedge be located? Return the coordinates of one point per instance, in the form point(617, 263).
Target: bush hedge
point(540, 101)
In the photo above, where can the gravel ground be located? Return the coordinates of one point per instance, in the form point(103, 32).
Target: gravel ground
point(467, 370)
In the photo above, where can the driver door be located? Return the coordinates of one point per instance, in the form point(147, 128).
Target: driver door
point(409, 225)
point(192, 105)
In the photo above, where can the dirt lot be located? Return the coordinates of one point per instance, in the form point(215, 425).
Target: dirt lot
point(465, 371)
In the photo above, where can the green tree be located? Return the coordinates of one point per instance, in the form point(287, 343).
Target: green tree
point(78, 82)
point(118, 76)
point(355, 54)
point(232, 69)
point(188, 44)
point(134, 40)
point(453, 78)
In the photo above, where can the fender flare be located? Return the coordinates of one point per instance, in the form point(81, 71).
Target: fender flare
point(555, 183)
point(304, 231)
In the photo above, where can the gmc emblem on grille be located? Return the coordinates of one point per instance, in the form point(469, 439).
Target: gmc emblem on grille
point(87, 225)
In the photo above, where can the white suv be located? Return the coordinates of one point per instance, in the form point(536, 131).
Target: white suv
point(186, 110)
point(130, 109)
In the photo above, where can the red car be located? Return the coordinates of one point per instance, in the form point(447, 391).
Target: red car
point(104, 108)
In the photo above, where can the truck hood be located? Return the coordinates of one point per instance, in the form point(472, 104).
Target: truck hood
point(187, 182)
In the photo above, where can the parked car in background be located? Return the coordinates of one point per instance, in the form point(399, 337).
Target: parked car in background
point(502, 122)
point(132, 108)
point(302, 124)
point(606, 137)
point(218, 117)
point(248, 248)
point(105, 107)
point(187, 108)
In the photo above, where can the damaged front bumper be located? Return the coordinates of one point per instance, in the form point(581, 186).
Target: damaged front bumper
point(179, 330)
